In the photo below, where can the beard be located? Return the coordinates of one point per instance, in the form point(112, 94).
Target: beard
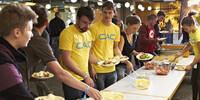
point(84, 29)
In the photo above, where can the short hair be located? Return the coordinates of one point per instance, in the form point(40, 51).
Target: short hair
point(161, 13)
point(133, 19)
point(85, 11)
point(190, 14)
point(151, 17)
point(189, 21)
point(42, 15)
point(108, 5)
point(15, 16)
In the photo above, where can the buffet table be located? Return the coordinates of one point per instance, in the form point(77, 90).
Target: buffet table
point(161, 87)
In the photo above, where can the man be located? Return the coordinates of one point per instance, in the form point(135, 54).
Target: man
point(160, 16)
point(56, 26)
point(105, 45)
point(16, 22)
point(39, 51)
point(75, 42)
point(147, 39)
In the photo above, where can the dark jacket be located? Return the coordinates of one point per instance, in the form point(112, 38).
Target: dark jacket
point(56, 25)
point(11, 83)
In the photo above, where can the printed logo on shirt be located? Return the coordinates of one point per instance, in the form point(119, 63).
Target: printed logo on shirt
point(82, 45)
point(151, 34)
point(107, 36)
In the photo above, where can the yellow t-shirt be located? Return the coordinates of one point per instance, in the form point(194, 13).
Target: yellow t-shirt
point(194, 38)
point(79, 44)
point(104, 38)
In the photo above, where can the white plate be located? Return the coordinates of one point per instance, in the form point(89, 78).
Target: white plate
point(34, 75)
point(180, 67)
point(49, 98)
point(163, 38)
point(123, 58)
point(113, 63)
point(164, 32)
point(110, 95)
point(150, 56)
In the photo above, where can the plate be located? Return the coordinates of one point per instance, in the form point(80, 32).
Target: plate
point(163, 38)
point(180, 67)
point(123, 58)
point(110, 95)
point(42, 75)
point(144, 57)
point(164, 32)
point(110, 63)
point(49, 97)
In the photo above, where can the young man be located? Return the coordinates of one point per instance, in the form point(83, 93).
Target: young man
point(39, 50)
point(16, 22)
point(160, 16)
point(147, 39)
point(75, 43)
point(105, 45)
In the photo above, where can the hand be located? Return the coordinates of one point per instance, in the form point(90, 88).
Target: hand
point(188, 68)
point(178, 54)
point(141, 53)
point(88, 80)
point(161, 39)
point(129, 66)
point(95, 94)
point(93, 74)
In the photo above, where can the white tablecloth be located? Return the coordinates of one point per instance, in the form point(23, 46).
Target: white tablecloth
point(161, 86)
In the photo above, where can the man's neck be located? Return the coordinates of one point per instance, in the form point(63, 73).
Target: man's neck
point(106, 23)
point(40, 30)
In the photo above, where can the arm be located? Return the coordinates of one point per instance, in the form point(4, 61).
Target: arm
point(197, 58)
point(12, 86)
point(121, 43)
point(68, 79)
point(70, 64)
point(16, 92)
point(117, 51)
point(186, 48)
point(93, 59)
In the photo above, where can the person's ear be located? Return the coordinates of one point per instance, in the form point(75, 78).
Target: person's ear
point(17, 32)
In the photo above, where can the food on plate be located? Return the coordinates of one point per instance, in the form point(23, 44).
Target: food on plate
point(42, 74)
point(149, 65)
point(107, 95)
point(107, 62)
point(49, 97)
point(110, 95)
point(169, 58)
point(180, 67)
point(123, 58)
point(142, 83)
point(144, 56)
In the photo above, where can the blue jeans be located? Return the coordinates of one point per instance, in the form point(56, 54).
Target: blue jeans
point(72, 93)
point(105, 79)
point(121, 70)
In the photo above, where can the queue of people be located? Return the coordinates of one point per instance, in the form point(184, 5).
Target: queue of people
point(81, 46)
